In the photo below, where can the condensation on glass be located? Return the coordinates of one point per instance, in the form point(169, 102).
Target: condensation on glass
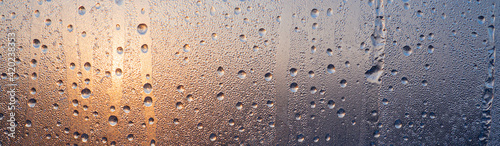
point(252, 72)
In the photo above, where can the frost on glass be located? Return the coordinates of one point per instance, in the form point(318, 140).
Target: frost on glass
point(251, 72)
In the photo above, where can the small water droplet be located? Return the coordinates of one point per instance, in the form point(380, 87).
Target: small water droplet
point(113, 120)
point(314, 13)
point(142, 28)
point(86, 93)
point(148, 101)
point(81, 10)
point(407, 50)
point(213, 137)
point(32, 102)
point(220, 96)
point(242, 74)
point(330, 68)
point(147, 88)
point(294, 87)
point(341, 113)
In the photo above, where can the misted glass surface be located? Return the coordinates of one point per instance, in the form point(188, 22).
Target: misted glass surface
point(249, 72)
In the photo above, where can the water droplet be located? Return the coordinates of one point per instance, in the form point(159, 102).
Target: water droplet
point(70, 28)
point(144, 48)
point(311, 74)
point(36, 43)
point(427, 66)
point(268, 76)
point(239, 105)
point(48, 22)
point(126, 109)
point(294, 87)
point(329, 52)
point(430, 49)
point(220, 71)
point(86, 93)
point(385, 101)
point(33, 62)
point(220, 96)
point(313, 90)
point(81, 10)
point(33, 76)
point(213, 137)
point(113, 120)
point(243, 38)
point(130, 137)
point(341, 113)
point(398, 124)
point(148, 101)
point(407, 50)
point(75, 102)
point(331, 104)
point(293, 72)
point(44, 49)
point(32, 102)
point(270, 103)
point(315, 26)
point(119, 50)
point(36, 13)
point(180, 88)
point(420, 13)
point(147, 88)
point(424, 83)
point(214, 36)
point(242, 74)
point(142, 28)
point(343, 83)
point(237, 11)
point(404, 80)
point(481, 19)
point(394, 72)
point(329, 12)
point(118, 72)
point(262, 31)
point(314, 13)
point(330, 68)
point(28, 123)
point(256, 48)
point(300, 138)
point(179, 105)
point(87, 66)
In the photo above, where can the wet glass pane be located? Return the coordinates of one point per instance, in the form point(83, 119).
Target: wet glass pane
point(249, 72)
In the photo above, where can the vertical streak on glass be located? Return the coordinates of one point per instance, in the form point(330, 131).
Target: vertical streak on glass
point(70, 51)
point(495, 125)
point(132, 88)
point(103, 53)
point(116, 90)
point(282, 58)
point(36, 32)
point(489, 91)
point(379, 37)
point(85, 44)
point(50, 73)
point(143, 8)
